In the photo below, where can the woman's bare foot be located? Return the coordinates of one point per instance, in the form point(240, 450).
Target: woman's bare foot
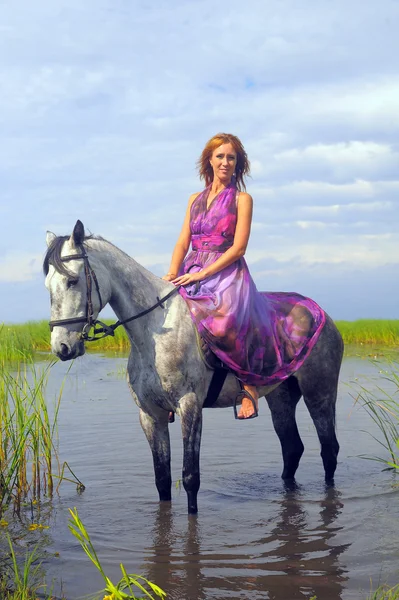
point(247, 408)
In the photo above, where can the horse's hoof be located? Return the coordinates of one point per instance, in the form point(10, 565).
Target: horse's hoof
point(291, 485)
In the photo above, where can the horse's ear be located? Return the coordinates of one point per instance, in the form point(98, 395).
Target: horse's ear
point(78, 235)
point(50, 237)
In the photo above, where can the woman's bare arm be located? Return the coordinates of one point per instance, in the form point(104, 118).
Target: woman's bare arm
point(182, 244)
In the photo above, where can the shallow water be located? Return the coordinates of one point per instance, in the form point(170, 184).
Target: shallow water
point(253, 537)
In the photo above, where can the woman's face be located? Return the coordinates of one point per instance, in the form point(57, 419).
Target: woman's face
point(223, 161)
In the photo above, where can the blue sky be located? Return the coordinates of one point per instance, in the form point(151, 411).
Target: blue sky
point(106, 105)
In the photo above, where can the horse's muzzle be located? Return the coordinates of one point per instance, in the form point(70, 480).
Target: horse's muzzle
point(65, 352)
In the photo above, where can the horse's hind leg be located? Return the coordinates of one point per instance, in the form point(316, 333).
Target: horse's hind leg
point(321, 406)
point(282, 403)
point(191, 424)
point(318, 380)
point(157, 434)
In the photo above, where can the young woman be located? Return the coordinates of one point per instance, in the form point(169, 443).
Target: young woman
point(261, 337)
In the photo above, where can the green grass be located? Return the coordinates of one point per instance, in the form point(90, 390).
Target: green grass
point(27, 454)
point(24, 340)
point(27, 432)
point(370, 331)
point(21, 579)
point(382, 593)
point(385, 593)
point(128, 584)
point(382, 405)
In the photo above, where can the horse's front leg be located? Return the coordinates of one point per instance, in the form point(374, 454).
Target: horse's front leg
point(191, 424)
point(157, 434)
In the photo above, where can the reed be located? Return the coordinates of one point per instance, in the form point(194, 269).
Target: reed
point(385, 593)
point(21, 341)
point(382, 405)
point(26, 435)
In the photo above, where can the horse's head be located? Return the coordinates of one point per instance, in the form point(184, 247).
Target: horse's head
point(76, 291)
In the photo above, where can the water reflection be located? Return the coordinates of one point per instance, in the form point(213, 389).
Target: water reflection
point(306, 551)
point(174, 560)
point(187, 562)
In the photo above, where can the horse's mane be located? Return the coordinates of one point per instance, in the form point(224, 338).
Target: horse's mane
point(53, 254)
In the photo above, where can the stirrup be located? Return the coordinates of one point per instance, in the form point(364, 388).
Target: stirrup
point(244, 394)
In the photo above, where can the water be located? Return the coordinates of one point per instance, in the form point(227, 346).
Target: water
point(253, 537)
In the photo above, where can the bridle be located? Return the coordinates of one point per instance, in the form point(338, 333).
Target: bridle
point(100, 329)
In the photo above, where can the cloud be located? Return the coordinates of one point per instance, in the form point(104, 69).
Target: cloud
point(340, 162)
point(16, 267)
point(105, 109)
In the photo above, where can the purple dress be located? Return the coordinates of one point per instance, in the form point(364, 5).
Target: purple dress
point(262, 336)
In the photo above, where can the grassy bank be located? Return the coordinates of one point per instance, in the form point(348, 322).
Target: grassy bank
point(384, 332)
point(27, 338)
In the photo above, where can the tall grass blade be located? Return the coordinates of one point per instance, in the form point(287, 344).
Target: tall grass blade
point(115, 591)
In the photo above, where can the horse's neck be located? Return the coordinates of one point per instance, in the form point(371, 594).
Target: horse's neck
point(133, 288)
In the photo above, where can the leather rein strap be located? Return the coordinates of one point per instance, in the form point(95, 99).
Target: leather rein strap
point(90, 323)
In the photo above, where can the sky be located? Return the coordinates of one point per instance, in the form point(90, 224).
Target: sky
point(106, 105)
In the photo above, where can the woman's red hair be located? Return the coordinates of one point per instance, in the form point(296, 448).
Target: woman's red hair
point(242, 167)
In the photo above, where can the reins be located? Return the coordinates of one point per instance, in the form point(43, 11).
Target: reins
point(90, 322)
point(110, 329)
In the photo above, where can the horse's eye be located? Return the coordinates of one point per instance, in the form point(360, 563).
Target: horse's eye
point(72, 282)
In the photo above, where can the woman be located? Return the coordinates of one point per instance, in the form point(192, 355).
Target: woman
point(261, 337)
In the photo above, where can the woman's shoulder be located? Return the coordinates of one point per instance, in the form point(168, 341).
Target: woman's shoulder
point(193, 197)
point(244, 198)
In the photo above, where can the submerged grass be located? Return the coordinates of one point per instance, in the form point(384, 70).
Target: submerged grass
point(34, 336)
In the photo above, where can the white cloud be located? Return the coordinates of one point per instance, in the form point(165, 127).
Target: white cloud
point(15, 267)
point(356, 207)
point(314, 224)
point(344, 161)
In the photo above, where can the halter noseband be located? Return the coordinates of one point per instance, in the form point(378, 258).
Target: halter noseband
point(90, 323)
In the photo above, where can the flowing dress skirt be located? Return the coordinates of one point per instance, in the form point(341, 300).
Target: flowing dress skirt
point(263, 337)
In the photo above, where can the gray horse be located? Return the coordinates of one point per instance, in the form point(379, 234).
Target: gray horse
point(165, 370)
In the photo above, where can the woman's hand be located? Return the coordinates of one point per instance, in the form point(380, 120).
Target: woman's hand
point(188, 278)
point(169, 276)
